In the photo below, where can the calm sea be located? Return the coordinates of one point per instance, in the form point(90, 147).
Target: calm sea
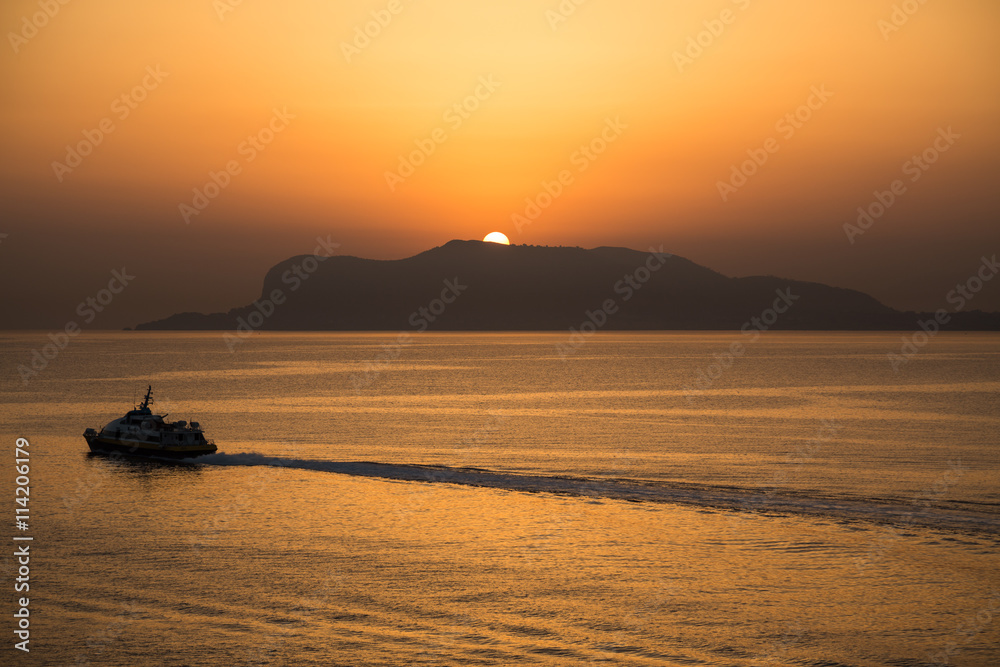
point(497, 499)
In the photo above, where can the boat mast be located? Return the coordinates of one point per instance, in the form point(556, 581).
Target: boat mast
point(148, 399)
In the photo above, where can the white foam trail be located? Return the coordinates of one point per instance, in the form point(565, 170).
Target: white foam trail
point(726, 498)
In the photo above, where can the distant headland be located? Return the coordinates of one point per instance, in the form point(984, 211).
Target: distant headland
point(476, 286)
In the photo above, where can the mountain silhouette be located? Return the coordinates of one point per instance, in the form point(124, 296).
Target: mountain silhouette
point(476, 286)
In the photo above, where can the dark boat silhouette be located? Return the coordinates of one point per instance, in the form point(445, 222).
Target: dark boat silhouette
point(142, 433)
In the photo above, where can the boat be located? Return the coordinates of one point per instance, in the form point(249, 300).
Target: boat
point(142, 433)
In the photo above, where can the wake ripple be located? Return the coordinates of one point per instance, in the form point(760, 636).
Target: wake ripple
point(645, 491)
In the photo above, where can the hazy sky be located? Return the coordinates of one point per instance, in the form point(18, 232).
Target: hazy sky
point(310, 115)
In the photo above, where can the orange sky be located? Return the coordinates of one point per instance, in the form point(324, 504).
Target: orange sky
point(681, 128)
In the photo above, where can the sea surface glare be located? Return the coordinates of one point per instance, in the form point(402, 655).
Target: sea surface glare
point(502, 499)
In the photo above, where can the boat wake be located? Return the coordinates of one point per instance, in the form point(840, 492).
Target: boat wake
point(979, 519)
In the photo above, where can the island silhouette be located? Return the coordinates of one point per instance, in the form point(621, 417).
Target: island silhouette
point(478, 286)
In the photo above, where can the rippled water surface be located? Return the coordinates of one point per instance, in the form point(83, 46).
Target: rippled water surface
point(482, 499)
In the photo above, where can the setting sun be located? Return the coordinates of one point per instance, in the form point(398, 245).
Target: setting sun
point(497, 237)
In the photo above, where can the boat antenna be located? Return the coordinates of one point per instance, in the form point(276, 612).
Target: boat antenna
point(148, 399)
